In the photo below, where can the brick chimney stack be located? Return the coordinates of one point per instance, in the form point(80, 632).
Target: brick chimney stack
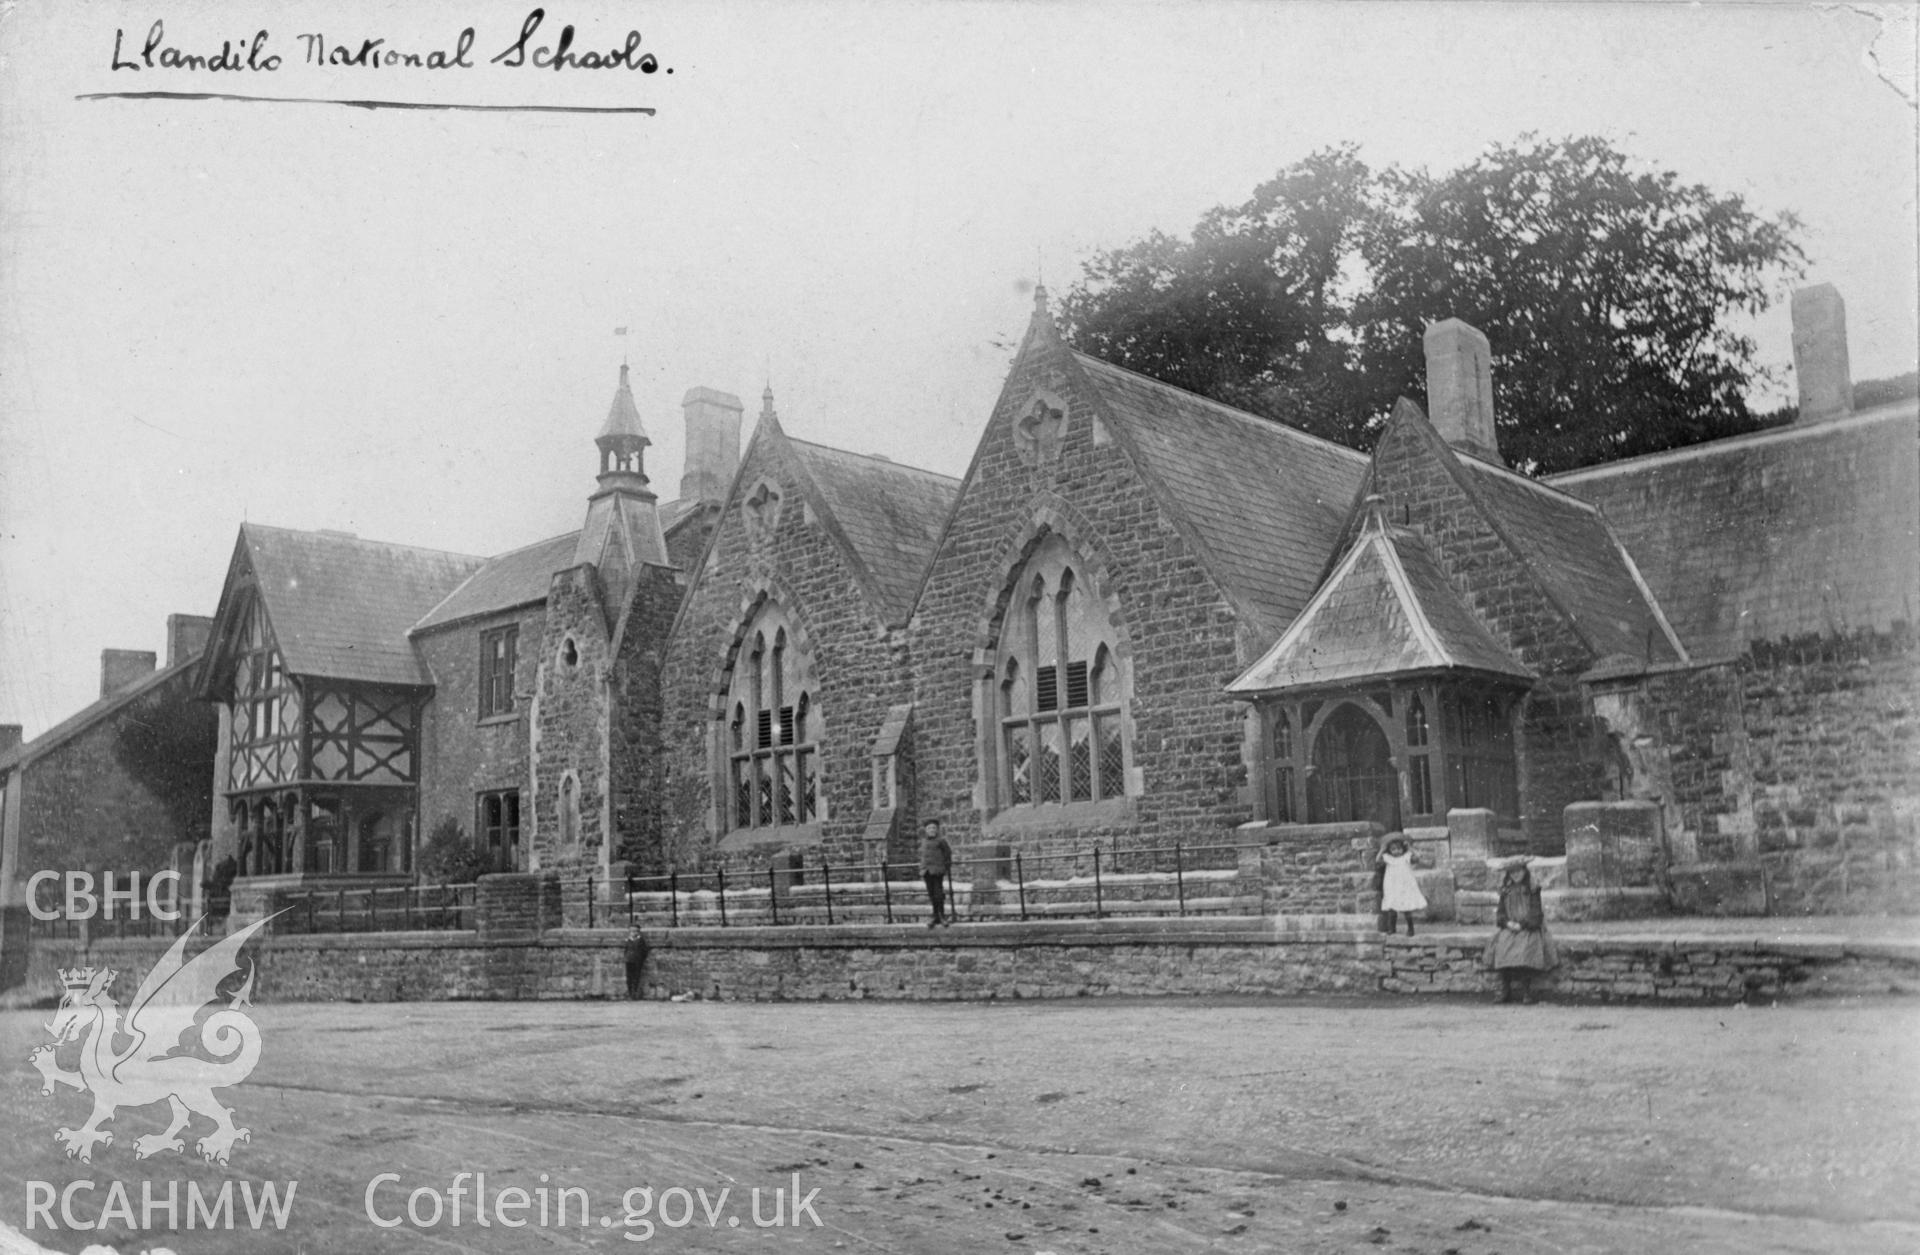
point(10, 737)
point(187, 636)
point(1820, 363)
point(121, 667)
point(1460, 388)
point(713, 444)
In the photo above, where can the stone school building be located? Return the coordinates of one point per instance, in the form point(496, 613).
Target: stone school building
point(1685, 682)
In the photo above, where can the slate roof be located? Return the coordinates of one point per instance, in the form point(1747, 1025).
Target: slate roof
point(1267, 501)
point(1582, 564)
point(623, 417)
point(1794, 531)
point(87, 716)
point(1387, 609)
point(341, 606)
point(890, 515)
point(519, 577)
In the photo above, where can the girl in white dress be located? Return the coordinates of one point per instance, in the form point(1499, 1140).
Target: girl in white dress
point(1399, 891)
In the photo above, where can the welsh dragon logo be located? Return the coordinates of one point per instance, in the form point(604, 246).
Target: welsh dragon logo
point(164, 1050)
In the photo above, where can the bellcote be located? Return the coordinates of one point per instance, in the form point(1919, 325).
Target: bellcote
point(623, 442)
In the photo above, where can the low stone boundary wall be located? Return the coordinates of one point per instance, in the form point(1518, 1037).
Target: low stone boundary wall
point(1037, 959)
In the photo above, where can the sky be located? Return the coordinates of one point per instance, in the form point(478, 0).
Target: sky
point(400, 323)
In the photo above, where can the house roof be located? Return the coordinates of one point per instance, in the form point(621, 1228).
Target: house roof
point(890, 516)
point(87, 716)
point(341, 606)
point(1808, 529)
point(1386, 610)
point(1569, 548)
point(517, 578)
point(1266, 501)
point(521, 577)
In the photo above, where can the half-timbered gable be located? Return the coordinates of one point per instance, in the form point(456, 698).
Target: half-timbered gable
point(321, 699)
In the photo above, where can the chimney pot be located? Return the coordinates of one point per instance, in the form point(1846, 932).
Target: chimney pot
point(1820, 365)
point(121, 667)
point(1460, 388)
point(713, 444)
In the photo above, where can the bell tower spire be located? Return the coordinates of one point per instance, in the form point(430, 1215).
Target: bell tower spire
point(622, 531)
point(623, 442)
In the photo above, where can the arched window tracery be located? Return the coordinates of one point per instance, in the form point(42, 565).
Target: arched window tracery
point(1061, 696)
point(773, 731)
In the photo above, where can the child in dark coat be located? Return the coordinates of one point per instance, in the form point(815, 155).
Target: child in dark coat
point(1521, 945)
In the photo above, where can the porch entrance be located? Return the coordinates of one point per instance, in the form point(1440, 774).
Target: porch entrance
point(1353, 777)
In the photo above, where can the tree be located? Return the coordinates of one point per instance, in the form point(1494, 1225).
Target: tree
point(1254, 311)
point(1605, 292)
point(448, 858)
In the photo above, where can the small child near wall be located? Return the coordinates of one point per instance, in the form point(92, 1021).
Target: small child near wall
point(1521, 947)
point(1399, 892)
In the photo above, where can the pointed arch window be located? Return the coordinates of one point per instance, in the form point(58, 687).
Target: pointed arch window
point(773, 729)
point(1419, 746)
point(1061, 693)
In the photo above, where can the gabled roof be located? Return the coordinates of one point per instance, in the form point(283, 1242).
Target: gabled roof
point(889, 515)
point(1801, 530)
point(520, 577)
point(341, 606)
point(1266, 502)
point(87, 716)
point(1386, 610)
point(1572, 552)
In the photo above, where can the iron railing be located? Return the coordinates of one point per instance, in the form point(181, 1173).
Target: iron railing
point(395, 908)
point(1093, 882)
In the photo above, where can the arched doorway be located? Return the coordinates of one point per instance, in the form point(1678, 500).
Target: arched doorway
point(1353, 775)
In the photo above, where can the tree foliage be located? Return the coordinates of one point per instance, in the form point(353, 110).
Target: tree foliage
point(448, 857)
point(1606, 292)
point(166, 741)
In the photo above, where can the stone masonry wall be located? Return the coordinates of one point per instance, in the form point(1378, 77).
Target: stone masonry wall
point(635, 748)
point(462, 754)
point(570, 723)
point(1683, 734)
point(1834, 741)
point(1184, 738)
point(1558, 762)
point(1053, 960)
point(859, 667)
point(97, 802)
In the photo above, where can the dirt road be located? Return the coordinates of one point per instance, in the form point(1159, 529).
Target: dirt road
point(1111, 1125)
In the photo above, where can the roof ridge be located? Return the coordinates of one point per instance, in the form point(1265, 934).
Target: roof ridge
point(558, 536)
point(874, 457)
point(1470, 460)
point(1254, 420)
point(348, 538)
point(91, 713)
point(1892, 410)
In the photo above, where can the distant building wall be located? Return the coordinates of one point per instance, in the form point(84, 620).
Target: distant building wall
point(122, 794)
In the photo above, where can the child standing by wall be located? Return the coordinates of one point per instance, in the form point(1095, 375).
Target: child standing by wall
point(1521, 946)
point(1399, 891)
